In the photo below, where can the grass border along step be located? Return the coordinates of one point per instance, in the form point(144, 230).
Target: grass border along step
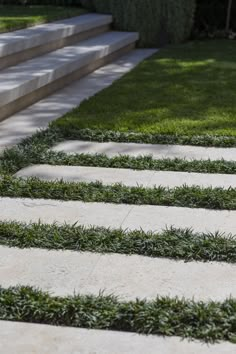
point(210, 321)
point(35, 150)
point(171, 243)
point(73, 132)
point(193, 197)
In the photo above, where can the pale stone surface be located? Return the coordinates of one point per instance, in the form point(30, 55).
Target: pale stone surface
point(17, 41)
point(37, 116)
point(150, 217)
point(88, 174)
point(50, 211)
point(64, 273)
point(26, 338)
point(27, 77)
point(146, 217)
point(158, 151)
point(127, 177)
point(50, 340)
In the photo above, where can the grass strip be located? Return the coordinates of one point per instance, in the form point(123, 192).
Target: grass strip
point(73, 132)
point(171, 243)
point(193, 197)
point(15, 159)
point(35, 150)
point(163, 316)
point(140, 163)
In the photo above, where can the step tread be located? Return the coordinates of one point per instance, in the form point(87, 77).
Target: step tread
point(132, 217)
point(17, 41)
point(24, 78)
point(127, 177)
point(30, 338)
point(64, 273)
point(158, 151)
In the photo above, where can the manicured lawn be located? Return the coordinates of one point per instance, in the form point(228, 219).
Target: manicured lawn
point(189, 89)
point(16, 17)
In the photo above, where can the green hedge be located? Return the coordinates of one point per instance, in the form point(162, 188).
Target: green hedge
point(157, 21)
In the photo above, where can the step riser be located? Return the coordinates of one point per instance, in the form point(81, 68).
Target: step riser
point(38, 94)
point(31, 53)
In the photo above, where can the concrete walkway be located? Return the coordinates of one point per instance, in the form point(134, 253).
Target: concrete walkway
point(127, 177)
point(132, 217)
point(64, 273)
point(112, 149)
point(40, 339)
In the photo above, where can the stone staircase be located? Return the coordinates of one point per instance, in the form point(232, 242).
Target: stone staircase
point(74, 48)
point(67, 272)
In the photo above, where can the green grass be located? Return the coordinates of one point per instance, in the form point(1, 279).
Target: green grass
point(35, 150)
point(170, 243)
point(17, 17)
point(72, 132)
point(192, 197)
point(210, 321)
point(184, 90)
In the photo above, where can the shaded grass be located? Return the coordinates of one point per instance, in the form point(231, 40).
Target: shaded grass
point(192, 197)
point(163, 316)
point(170, 243)
point(17, 17)
point(184, 90)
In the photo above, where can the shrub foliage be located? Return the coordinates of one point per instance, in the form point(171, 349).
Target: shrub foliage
point(158, 21)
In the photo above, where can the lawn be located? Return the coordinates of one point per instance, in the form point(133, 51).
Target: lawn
point(17, 17)
point(187, 89)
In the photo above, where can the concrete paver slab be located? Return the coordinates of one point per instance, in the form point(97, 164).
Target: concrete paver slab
point(127, 177)
point(29, 338)
point(158, 151)
point(132, 217)
point(65, 272)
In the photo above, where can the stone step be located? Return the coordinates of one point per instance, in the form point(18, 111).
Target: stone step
point(25, 44)
point(132, 217)
point(27, 338)
point(28, 82)
point(158, 151)
point(127, 177)
point(64, 273)
point(40, 114)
